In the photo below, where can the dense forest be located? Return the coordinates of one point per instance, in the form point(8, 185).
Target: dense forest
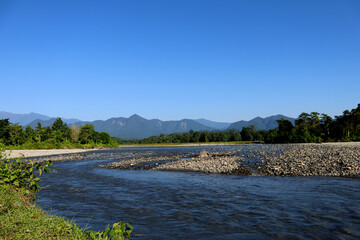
point(59, 135)
point(315, 127)
point(309, 128)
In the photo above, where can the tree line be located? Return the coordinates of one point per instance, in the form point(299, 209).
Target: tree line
point(315, 127)
point(246, 134)
point(55, 136)
point(309, 128)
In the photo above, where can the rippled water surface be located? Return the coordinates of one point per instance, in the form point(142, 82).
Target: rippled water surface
point(178, 205)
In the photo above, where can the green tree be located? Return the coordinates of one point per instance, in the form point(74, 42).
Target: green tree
point(61, 132)
point(103, 137)
point(4, 131)
point(46, 133)
point(30, 134)
point(326, 123)
point(38, 127)
point(285, 130)
point(38, 132)
point(16, 134)
point(249, 133)
point(204, 136)
point(87, 134)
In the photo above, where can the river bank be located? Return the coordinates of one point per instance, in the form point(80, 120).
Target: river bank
point(21, 219)
point(327, 159)
point(28, 153)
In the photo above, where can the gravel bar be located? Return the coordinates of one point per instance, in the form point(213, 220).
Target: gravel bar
point(327, 159)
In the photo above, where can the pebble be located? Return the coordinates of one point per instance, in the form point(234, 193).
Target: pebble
point(328, 159)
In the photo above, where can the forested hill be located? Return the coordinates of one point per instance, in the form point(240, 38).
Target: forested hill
point(136, 127)
point(308, 127)
point(261, 123)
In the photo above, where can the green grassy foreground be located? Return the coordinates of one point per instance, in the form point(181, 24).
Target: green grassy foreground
point(21, 219)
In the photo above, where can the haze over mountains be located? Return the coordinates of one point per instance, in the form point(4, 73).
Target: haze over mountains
point(25, 119)
point(137, 127)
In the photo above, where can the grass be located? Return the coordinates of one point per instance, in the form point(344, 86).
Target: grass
point(21, 219)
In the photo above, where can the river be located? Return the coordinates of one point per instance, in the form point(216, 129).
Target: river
point(188, 205)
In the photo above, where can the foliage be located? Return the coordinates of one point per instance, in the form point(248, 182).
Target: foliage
point(119, 231)
point(19, 219)
point(87, 134)
point(309, 127)
point(20, 173)
point(315, 127)
point(247, 134)
point(59, 135)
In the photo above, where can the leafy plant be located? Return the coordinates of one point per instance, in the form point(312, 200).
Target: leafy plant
point(21, 173)
point(119, 231)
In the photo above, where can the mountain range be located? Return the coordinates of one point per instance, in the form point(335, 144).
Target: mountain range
point(137, 127)
point(25, 119)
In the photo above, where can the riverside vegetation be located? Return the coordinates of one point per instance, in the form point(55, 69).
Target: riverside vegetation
point(309, 128)
point(21, 219)
point(59, 135)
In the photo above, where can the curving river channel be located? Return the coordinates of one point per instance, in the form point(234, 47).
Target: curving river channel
point(184, 205)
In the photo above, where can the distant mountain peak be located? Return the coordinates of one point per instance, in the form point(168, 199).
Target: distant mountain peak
point(135, 116)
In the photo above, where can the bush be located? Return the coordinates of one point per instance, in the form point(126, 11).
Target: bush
point(20, 173)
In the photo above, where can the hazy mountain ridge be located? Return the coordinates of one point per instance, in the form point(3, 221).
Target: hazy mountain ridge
point(216, 125)
point(22, 119)
point(28, 118)
point(49, 122)
point(137, 127)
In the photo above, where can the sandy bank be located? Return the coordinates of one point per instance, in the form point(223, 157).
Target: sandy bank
point(43, 152)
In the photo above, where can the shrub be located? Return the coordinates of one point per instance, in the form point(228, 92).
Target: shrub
point(21, 173)
point(119, 230)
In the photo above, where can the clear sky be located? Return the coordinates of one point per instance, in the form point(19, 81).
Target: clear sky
point(221, 60)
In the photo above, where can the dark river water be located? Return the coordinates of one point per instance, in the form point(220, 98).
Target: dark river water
point(183, 205)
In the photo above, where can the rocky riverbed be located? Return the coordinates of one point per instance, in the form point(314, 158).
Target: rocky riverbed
point(219, 161)
point(330, 159)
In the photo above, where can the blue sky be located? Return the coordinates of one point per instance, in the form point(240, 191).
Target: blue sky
point(221, 60)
